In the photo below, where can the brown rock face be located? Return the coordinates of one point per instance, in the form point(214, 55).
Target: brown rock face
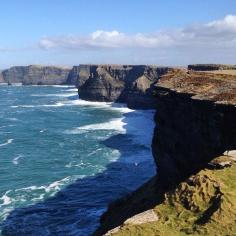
point(36, 75)
point(119, 83)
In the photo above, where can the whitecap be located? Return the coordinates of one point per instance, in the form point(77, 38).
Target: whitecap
point(57, 184)
point(5, 199)
point(55, 95)
point(140, 125)
point(24, 106)
point(94, 152)
point(114, 156)
point(62, 86)
point(114, 124)
point(72, 90)
point(58, 104)
point(56, 86)
point(74, 164)
point(15, 161)
point(42, 131)
point(6, 143)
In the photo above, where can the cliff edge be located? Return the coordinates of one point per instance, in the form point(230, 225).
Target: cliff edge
point(194, 146)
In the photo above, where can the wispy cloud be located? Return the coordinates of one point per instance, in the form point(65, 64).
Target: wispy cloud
point(106, 39)
point(219, 33)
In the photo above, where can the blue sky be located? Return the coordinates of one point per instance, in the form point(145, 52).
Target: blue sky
point(68, 32)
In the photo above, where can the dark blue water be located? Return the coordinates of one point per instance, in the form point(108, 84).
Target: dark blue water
point(62, 160)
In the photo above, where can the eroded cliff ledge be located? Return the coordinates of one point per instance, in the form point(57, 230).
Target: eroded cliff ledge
point(193, 146)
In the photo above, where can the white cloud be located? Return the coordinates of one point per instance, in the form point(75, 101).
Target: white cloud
point(107, 39)
point(219, 33)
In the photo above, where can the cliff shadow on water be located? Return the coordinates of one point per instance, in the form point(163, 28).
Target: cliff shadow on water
point(76, 209)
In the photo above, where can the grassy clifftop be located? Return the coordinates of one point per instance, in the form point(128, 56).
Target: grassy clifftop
point(204, 204)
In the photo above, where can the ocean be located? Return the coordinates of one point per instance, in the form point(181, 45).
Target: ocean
point(63, 160)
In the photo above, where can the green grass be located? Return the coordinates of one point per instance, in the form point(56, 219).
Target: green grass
point(205, 204)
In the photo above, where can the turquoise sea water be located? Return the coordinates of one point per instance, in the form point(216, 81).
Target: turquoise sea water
point(62, 160)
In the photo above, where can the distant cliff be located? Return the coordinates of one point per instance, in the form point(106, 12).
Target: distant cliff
point(36, 75)
point(211, 67)
point(1, 77)
point(118, 83)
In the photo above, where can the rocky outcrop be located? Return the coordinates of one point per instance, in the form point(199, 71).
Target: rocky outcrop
point(192, 192)
point(36, 75)
point(119, 83)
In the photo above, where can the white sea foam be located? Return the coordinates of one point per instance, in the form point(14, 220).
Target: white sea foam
point(115, 154)
point(115, 124)
point(58, 104)
point(25, 106)
point(5, 199)
point(140, 124)
point(15, 161)
point(56, 86)
point(113, 106)
point(94, 152)
point(62, 86)
point(6, 143)
point(43, 130)
point(72, 90)
point(55, 95)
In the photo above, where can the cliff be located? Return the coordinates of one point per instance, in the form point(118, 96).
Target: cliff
point(118, 83)
point(211, 67)
point(196, 114)
point(36, 75)
point(1, 77)
point(194, 147)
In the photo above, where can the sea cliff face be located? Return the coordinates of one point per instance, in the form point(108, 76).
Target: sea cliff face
point(36, 75)
point(194, 147)
point(129, 84)
point(197, 116)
